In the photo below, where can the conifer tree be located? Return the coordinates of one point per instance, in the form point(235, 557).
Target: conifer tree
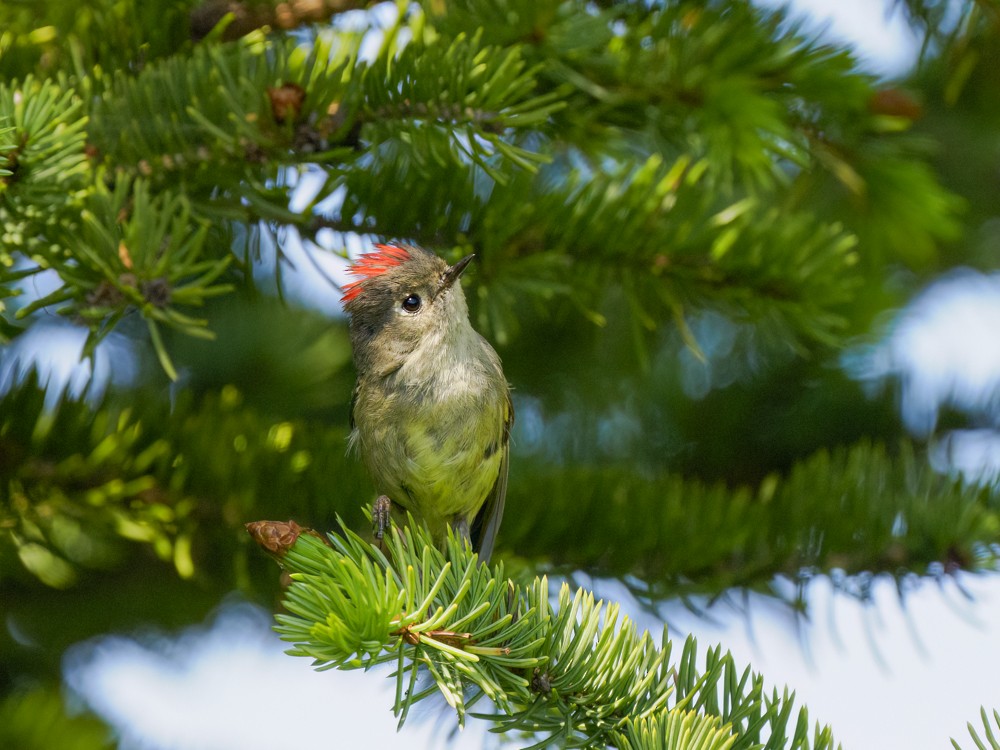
point(682, 212)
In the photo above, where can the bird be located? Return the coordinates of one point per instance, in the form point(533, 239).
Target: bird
point(431, 412)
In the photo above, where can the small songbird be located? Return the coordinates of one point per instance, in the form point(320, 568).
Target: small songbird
point(431, 413)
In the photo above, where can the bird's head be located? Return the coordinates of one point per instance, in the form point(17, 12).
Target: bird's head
point(403, 296)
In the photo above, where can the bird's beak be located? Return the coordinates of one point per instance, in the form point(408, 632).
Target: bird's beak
point(451, 273)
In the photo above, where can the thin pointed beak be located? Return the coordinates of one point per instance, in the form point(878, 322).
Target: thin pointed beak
point(451, 273)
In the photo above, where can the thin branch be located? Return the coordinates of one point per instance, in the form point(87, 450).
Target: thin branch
point(249, 16)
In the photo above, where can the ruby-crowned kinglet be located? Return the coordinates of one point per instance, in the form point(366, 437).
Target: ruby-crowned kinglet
point(431, 413)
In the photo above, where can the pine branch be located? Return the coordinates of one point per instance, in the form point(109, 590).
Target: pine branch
point(53, 38)
point(486, 92)
point(577, 672)
point(247, 16)
point(849, 512)
point(135, 252)
point(656, 232)
point(456, 125)
point(226, 116)
point(987, 729)
point(135, 470)
point(208, 136)
point(767, 106)
point(679, 79)
point(260, 102)
point(42, 150)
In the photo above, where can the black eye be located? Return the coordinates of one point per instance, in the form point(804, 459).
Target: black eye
point(411, 303)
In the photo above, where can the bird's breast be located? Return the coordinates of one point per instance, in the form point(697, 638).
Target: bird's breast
point(431, 437)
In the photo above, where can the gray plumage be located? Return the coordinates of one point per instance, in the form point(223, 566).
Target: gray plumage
point(431, 414)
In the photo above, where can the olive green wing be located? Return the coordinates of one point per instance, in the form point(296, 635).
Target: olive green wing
point(487, 522)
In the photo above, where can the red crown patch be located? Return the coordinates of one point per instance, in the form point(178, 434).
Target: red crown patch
point(373, 264)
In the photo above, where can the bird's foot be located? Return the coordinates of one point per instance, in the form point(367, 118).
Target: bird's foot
point(381, 518)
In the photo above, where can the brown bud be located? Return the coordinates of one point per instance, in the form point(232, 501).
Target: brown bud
point(277, 537)
point(156, 292)
point(895, 103)
point(286, 101)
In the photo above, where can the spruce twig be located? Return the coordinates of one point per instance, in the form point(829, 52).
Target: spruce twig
point(576, 669)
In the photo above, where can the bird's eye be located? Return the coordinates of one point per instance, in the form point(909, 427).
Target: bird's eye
point(412, 303)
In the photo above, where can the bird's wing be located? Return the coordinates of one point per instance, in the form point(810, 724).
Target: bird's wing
point(354, 400)
point(487, 522)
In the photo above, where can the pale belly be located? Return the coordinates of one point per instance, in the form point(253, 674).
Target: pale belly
point(438, 460)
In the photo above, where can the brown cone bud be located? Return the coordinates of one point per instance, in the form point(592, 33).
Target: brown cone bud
point(286, 101)
point(895, 103)
point(277, 537)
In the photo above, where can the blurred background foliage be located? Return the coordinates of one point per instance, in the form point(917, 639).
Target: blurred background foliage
point(683, 213)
